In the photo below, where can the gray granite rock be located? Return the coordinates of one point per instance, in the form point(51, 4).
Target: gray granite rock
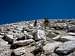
point(19, 51)
point(4, 48)
point(23, 42)
point(64, 38)
point(66, 48)
point(39, 35)
point(50, 47)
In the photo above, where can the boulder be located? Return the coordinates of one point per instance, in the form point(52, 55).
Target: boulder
point(40, 35)
point(69, 37)
point(50, 47)
point(64, 38)
point(4, 48)
point(66, 48)
point(29, 50)
point(58, 36)
point(19, 51)
point(71, 33)
point(23, 42)
point(40, 43)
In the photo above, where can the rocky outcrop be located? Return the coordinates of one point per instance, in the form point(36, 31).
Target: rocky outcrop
point(27, 39)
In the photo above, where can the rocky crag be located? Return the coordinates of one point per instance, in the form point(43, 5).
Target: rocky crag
point(38, 38)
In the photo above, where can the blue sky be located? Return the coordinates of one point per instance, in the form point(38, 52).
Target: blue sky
point(13, 10)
